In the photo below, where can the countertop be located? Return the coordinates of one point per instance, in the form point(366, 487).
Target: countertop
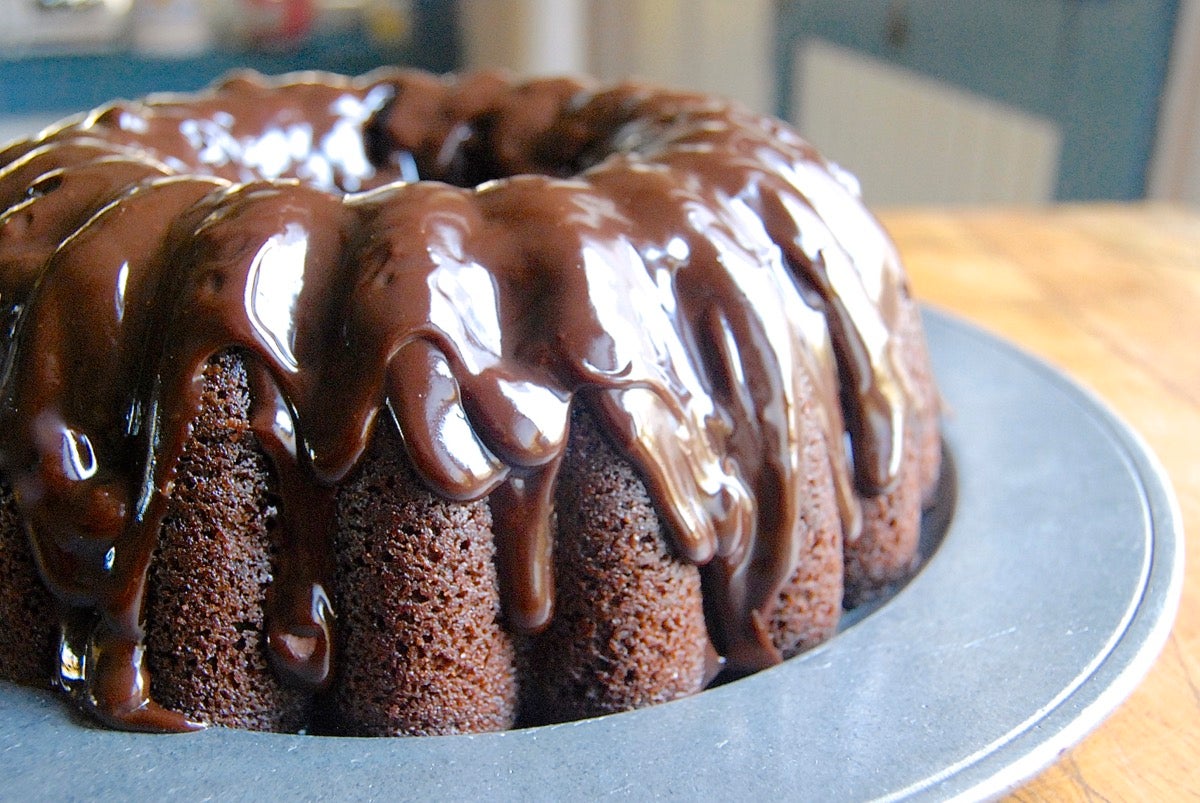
point(1109, 294)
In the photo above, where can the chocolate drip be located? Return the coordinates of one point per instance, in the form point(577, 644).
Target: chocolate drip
point(701, 270)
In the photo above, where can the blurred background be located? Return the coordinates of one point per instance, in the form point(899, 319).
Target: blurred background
point(969, 102)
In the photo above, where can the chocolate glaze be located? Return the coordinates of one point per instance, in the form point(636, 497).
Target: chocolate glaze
point(677, 264)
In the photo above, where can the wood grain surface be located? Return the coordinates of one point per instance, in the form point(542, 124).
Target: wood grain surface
point(1110, 294)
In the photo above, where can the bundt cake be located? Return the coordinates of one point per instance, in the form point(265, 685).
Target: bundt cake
point(412, 405)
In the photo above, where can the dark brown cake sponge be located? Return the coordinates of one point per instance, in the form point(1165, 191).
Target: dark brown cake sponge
point(205, 643)
point(928, 403)
point(628, 628)
point(28, 636)
point(887, 550)
point(421, 649)
point(810, 604)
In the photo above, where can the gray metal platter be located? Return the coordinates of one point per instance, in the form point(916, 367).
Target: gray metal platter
point(1050, 595)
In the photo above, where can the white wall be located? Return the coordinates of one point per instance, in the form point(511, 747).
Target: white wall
point(719, 46)
point(529, 37)
point(1175, 167)
point(911, 139)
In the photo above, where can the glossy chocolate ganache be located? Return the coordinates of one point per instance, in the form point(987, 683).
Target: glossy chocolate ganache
point(475, 265)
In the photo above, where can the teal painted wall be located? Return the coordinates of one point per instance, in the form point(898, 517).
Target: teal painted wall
point(1095, 67)
point(31, 83)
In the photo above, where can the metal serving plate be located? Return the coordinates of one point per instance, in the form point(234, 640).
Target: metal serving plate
point(1048, 599)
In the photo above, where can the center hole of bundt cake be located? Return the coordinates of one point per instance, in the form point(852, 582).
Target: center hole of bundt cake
point(468, 154)
point(458, 163)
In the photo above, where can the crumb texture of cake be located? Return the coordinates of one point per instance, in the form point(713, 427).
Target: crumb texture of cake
point(211, 571)
point(613, 646)
point(411, 404)
point(421, 645)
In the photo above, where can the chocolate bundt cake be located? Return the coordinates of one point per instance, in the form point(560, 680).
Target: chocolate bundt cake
point(407, 405)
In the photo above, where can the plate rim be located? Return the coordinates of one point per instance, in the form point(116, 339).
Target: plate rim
point(1132, 652)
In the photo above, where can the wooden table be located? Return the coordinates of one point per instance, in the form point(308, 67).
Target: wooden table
point(1111, 295)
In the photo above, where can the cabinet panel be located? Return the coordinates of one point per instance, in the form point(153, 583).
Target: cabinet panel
point(1094, 67)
